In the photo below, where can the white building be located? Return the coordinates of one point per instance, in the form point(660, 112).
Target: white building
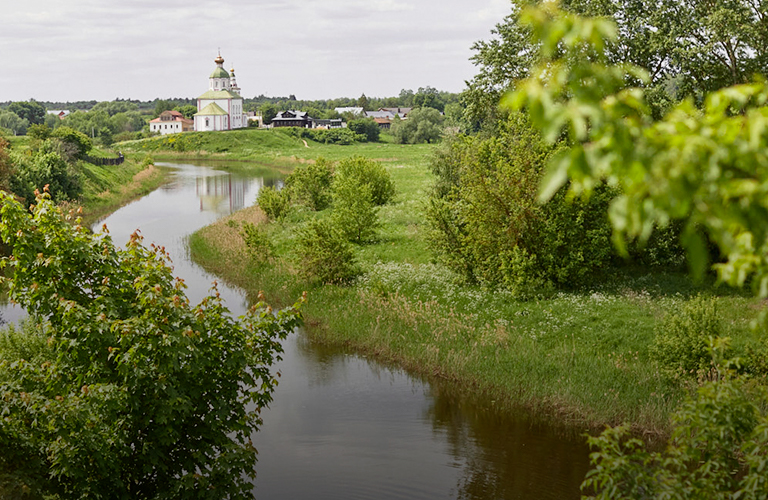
point(170, 122)
point(221, 108)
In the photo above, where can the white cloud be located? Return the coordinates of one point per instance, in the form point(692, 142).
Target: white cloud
point(94, 49)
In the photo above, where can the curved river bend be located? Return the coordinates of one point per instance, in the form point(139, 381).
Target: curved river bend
point(342, 426)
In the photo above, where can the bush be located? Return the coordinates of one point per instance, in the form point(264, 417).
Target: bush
point(366, 127)
point(360, 170)
point(323, 255)
point(340, 136)
point(273, 202)
point(79, 140)
point(310, 184)
point(487, 223)
point(681, 345)
point(353, 210)
point(257, 242)
point(44, 169)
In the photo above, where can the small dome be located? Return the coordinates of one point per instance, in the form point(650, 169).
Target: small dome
point(219, 73)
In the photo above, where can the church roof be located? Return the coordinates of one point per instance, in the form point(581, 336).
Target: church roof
point(212, 109)
point(219, 73)
point(220, 94)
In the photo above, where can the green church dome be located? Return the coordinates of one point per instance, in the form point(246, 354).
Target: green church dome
point(219, 73)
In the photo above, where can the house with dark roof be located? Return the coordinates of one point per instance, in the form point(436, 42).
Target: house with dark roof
point(293, 118)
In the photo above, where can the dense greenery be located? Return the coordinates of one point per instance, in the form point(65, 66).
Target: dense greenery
point(121, 388)
point(489, 227)
point(422, 125)
point(707, 167)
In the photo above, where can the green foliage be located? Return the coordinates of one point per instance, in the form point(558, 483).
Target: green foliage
point(681, 345)
point(422, 125)
point(488, 226)
point(717, 451)
point(32, 111)
point(44, 170)
point(257, 242)
point(361, 170)
point(6, 164)
point(367, 127)
point(188, 110)
point(13, 123)
point(275, 203)
point(142, 395)
point(39, 132)
point(341, 136)
point(705, 167)
point(78, 140)
point(309, 184)
point(268, 112)
point(354, 212)
point(323, 254)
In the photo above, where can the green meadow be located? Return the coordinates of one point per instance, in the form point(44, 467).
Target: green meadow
point(582, 357)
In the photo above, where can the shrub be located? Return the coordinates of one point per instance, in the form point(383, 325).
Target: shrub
point(323, 254)
point(361, 170)
point(273, 202)
point(487, 223)
point(79, 140)
point(366, 127)
point(681, 345)
point(353, 210)
point(44, 169)
point(310, 184)
point(257, 242)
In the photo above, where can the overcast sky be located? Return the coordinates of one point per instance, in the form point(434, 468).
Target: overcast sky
point(68, 50)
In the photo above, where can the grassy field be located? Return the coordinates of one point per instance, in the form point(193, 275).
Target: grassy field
point(579, 357)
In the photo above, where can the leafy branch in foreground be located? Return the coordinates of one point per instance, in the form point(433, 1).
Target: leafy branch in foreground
point(140, 395)
point(706, 167)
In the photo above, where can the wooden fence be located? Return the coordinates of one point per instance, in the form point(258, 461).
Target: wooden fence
point(105, 161)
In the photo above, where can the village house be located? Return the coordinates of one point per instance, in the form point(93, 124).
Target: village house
point(293, 119)
point(171, 122)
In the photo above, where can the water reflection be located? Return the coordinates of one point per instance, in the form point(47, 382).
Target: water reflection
point(507, 456)
point(353, 428)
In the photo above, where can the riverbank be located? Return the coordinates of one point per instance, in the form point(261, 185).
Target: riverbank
point(581, 358)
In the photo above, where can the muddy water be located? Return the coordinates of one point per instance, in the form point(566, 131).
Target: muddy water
point(342, 426)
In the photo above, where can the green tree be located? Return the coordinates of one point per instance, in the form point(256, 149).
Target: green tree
point(187, 110)
point(13, 123)
point(162, 105)
point(422, 125)
point(32, 111)
point(367, 127)
point(268, 113)
point(135, 393)
point(428, 97)
point(362, 102)
point(78, 140)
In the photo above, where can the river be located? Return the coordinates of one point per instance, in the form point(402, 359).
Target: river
point(345, 427)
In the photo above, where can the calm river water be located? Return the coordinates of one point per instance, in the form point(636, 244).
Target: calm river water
point(344, 427)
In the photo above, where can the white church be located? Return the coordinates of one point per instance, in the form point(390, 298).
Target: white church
point(221, 108)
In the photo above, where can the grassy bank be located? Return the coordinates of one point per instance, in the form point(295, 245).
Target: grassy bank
point(106, 188)
point(579, 357)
